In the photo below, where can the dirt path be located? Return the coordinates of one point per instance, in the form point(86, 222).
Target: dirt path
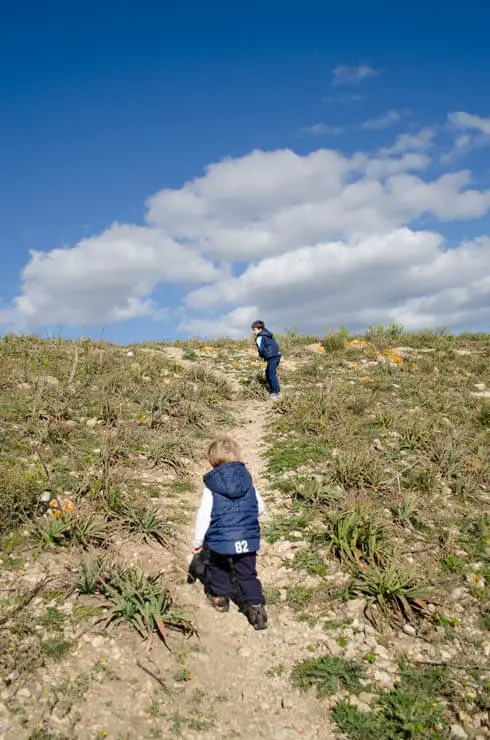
point(248, 670)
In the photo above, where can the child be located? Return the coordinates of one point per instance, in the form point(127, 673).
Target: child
point(269, 351)
point(227, 525)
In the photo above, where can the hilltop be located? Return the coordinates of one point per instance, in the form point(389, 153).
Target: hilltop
point(375, 469)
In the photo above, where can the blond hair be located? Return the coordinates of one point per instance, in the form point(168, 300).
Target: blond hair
point(223, 450)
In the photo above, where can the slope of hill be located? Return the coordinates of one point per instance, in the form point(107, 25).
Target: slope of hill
point(376, 557)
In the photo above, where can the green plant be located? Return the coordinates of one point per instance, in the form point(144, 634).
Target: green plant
point(392, 589)
point(329, 675)
point(144, 602)
point(54, 532)
point(353, 538)
point(145, 520)
point(90, 573)
point(19, 496)
point(54, 649)
point(336, 341)
point(404, 512)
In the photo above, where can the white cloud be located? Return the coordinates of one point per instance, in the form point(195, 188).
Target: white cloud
point(401, 276)
point(462, 120)
point(384, 121)
point(476, 134)
point(103, 279)
point(411, 142)
point(320, 239)
point(268, 203)
point(323, 129)
point(347, 75)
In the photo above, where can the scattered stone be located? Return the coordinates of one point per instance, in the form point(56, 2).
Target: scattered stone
point(50, 380)
point(384, 678)
point(458, 732)
point(409, 629)
point(24, 693)
point(482, 394)
point(98, 641)
point(479, 386)
point(91, 423)
point(378, 446)
point(244, 652)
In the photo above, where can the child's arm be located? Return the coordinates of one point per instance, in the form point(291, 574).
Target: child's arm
point(260, 502)
point(203, 520)
point(259, 341)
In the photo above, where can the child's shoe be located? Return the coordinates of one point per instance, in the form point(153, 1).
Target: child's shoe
point(220, 603)
point(257, 616)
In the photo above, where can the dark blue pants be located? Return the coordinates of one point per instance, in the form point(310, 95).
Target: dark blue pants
point(234, 576)
point(271, 375)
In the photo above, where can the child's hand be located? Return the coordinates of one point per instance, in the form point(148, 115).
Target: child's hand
point(196, 550)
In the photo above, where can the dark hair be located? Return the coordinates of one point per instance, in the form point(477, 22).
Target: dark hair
point(258, 325)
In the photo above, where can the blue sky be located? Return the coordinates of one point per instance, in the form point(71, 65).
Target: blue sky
point(104, 105)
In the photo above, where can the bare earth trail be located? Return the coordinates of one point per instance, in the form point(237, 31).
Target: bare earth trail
point(233, 659)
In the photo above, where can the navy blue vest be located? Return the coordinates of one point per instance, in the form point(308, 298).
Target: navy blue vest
point(234, 527)
point(269, 348)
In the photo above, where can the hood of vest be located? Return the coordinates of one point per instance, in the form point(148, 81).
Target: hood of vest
point(231, 480)
point(266, 333)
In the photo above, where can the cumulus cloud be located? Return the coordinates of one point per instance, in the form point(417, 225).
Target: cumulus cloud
point(462, 120)
point(402, 276)
point(470, 132)
point(106, 278)
point(308, 240)
point(348, 75)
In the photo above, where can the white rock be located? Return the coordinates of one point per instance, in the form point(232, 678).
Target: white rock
point(98, 641)
point(479, 386)
point(409, 630)
point(384, 678)
point(458, 732)
point(382, 652)
point(24, 693)
point(91, 423)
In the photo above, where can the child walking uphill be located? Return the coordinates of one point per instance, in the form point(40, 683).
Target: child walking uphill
point(227, 525)
point(268, 349)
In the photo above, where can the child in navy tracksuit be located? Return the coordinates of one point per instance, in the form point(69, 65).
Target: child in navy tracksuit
point(227, 526)
point(269, 350)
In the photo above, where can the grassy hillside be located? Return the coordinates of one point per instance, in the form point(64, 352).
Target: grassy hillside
point(375, 468)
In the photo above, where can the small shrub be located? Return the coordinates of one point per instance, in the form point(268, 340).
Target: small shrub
point(19, 497)
point(336, 341)
point(144, 602)
point(353, 538)
point(392, 589)
point(144, 520)
point(329, 675)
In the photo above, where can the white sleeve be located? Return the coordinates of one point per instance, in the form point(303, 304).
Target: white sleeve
point(203, 518)
point(260, 502)
point(258, 342)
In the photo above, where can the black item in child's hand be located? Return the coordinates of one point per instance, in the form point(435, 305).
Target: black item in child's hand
point(197, 567)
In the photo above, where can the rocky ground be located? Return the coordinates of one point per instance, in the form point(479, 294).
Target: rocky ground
point(351, 435)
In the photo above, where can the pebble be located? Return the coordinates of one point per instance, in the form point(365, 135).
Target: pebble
point(244, 652)
point(409, 629)
point(24, 693)
point(98, 641)
point(384, 678)
point(457, 732)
